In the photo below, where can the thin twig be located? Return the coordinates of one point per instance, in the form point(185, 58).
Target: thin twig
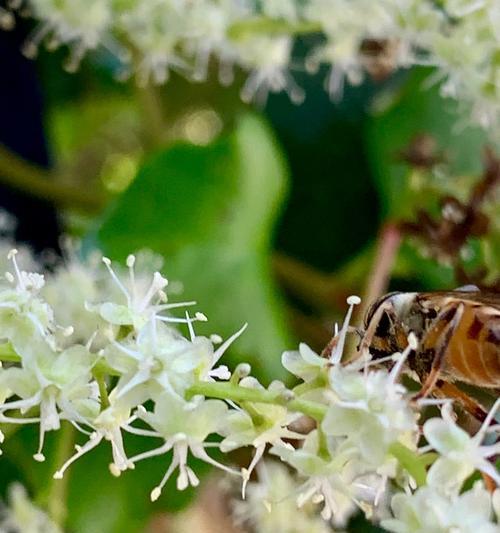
point(150, 101)
point(36, 181)
point(387, 246)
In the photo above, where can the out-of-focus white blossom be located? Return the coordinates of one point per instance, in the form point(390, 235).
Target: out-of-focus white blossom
point(22, 516)
point(429, 510)
point(270, 504)
point(460, 38)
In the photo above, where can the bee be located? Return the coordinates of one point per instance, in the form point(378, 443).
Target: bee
point(458, 336)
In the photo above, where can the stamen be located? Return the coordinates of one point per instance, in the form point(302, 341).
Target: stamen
point(158, 283)
point(339, 348)
point(412, 345)
point(192, 334)
point(164, 448)
point(215, 339)
point(247, 472)
point(199, 452)
point(224, 346)
point(487, 421)
point(120, 285)
point(130, 265)
point(156, 492)
point(12, 257)
point(95, 439)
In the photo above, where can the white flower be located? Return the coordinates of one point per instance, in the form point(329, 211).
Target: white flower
point(156, 28)
point(58, 383)
point(267, 59)
point(429, 511)
point(161, 355)
point(108, 425)
point(371, 410)
point(257, 425)
point(305, 364)
point(460, 454)
point(23, 516)
point(330, 474)
point(68, 306)
point(184, 426)
point(270, 505)
point(23, 314)
point(83, 25)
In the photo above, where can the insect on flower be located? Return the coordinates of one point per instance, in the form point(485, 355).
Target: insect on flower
point(459, 339)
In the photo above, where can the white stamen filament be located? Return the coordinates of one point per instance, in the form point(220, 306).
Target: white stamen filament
point(339, 348)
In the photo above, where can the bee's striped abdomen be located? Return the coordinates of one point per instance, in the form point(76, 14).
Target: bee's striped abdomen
point(473, 354)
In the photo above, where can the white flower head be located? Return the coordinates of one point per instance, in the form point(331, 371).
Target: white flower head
point(22, 514)
point(270, 504)
point(267, 59)
point(142, 303)
point(428, 509)
point(258, 425)
point(184, 426)
point(83, 26)
point(460, 454)
point(370, 409)
point(330, 478)
point(23, 314)
point(58, 383)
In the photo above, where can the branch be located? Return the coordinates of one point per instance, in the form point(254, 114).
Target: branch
point(36, 181)
point(229, 391)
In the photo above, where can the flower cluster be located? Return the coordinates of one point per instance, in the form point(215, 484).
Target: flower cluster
point(21, 515)
point(152, 37)
point(112, 360)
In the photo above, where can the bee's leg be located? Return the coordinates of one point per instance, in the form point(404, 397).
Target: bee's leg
point(470, 405)
point(451, 315)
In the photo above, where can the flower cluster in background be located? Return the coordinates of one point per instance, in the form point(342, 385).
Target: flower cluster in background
point(356, 37)
point(115, 356)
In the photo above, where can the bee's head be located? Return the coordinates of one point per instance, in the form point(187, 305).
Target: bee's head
point(386, 323)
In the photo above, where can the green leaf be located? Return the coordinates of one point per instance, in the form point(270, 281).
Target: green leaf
point(210, 212)
point(410, 461)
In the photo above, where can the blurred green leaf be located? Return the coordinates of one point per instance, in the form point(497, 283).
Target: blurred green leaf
point(210, 212)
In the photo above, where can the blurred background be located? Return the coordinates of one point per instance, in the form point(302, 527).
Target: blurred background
point(270, 214)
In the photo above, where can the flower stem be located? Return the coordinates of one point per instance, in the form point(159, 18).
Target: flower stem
point(19, 174)
point(228, 391)
point(387, 248)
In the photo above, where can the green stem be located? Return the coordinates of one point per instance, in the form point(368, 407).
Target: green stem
point(268, 26)
point(36, 181)
point(103, 391)
point(302, 388)
point(151, 105)
point(228, 391)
